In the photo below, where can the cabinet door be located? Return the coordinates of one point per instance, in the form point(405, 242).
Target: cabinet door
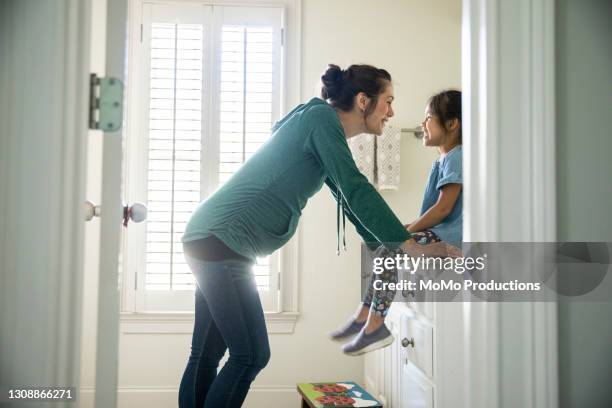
point(416, 391)
point(416, 342)
point(420, 352)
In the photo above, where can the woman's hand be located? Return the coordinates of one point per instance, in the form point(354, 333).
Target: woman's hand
point(435, 250)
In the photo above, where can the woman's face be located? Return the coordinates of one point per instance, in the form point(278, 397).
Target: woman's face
point(375, 121)
point(434, 132)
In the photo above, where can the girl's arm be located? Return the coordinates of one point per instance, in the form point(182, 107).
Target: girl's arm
point(440, 210)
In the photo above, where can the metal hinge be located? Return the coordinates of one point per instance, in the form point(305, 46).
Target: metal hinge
point(279, 281)
point(136, 281)
point(282, 35)
point(105, 103)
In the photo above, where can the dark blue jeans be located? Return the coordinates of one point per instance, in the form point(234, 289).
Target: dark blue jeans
point(228, 314)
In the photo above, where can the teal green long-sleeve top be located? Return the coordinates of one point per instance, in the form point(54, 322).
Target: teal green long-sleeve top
point(257, 210)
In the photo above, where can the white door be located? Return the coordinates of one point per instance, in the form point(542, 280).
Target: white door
point(100, 341)
point(107, 352)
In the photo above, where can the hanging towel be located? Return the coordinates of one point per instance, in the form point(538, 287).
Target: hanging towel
point(388, 159)
point(363, 149)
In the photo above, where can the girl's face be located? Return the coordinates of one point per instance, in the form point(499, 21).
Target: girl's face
point(375, 121)
point(434, 132)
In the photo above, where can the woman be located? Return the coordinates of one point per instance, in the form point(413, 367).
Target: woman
point(257, 212)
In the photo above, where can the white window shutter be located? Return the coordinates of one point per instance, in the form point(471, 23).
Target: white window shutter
point(201, 127)
point(173, 171)
point(246, 105)
point(246, 94)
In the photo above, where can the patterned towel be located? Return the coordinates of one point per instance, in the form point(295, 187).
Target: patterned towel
point(363, 148)
point(378, 157)
point(388, 159)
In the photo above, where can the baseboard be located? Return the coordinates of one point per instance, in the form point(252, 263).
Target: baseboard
point(166, 397)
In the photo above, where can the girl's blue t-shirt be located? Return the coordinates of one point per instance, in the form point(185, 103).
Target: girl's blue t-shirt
point(446, 170)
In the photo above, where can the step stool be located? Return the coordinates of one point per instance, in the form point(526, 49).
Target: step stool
point(341, 394)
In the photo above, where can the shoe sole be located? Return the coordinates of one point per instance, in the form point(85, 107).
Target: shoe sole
point(374, 346)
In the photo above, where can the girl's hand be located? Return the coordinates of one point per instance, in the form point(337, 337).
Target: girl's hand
point(410, 227)
point(435, 250)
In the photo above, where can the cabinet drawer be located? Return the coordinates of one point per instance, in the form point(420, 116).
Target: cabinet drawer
point(416, 341)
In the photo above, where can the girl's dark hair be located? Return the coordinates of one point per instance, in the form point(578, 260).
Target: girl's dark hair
point(341, 85)
point(446, 105)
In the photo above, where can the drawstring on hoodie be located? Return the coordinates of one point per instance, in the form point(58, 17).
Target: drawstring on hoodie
point(340, 208)
point(343, 227)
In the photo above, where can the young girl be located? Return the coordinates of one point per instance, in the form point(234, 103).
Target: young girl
point(440, 219)
point(441, 212)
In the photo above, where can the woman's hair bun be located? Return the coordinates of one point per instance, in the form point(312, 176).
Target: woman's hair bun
point(341, 85)
point(332, 82)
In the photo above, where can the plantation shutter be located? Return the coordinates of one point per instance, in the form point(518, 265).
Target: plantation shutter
point(246, 112)
point(213, 78)
point(175, 125)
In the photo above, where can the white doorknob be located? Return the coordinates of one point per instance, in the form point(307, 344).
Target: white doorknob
point(91, 210)
point(137, 212)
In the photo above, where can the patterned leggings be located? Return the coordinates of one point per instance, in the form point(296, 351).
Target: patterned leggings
point(379, 301)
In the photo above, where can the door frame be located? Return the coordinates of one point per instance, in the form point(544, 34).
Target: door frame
point(44, 49)
point(508, 83)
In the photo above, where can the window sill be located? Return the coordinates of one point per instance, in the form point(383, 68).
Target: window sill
point(182, 322)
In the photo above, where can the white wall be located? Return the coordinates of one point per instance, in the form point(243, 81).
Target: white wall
point(418, 43)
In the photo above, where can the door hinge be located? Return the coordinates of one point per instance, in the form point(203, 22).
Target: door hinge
point(136, 281)
point(282, 37)
point(105, 103)
point(279, 281)
point(141, 33)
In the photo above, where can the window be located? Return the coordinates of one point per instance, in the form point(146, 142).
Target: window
point(208, 90)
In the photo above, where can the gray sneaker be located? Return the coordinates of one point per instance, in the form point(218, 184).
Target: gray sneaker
point(363, 343)
point(350, 329)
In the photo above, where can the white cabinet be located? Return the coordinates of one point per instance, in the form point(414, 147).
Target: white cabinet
point(419, 370)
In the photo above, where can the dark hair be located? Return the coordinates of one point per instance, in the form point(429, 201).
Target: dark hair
point(341, 85)
point(446, 105)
